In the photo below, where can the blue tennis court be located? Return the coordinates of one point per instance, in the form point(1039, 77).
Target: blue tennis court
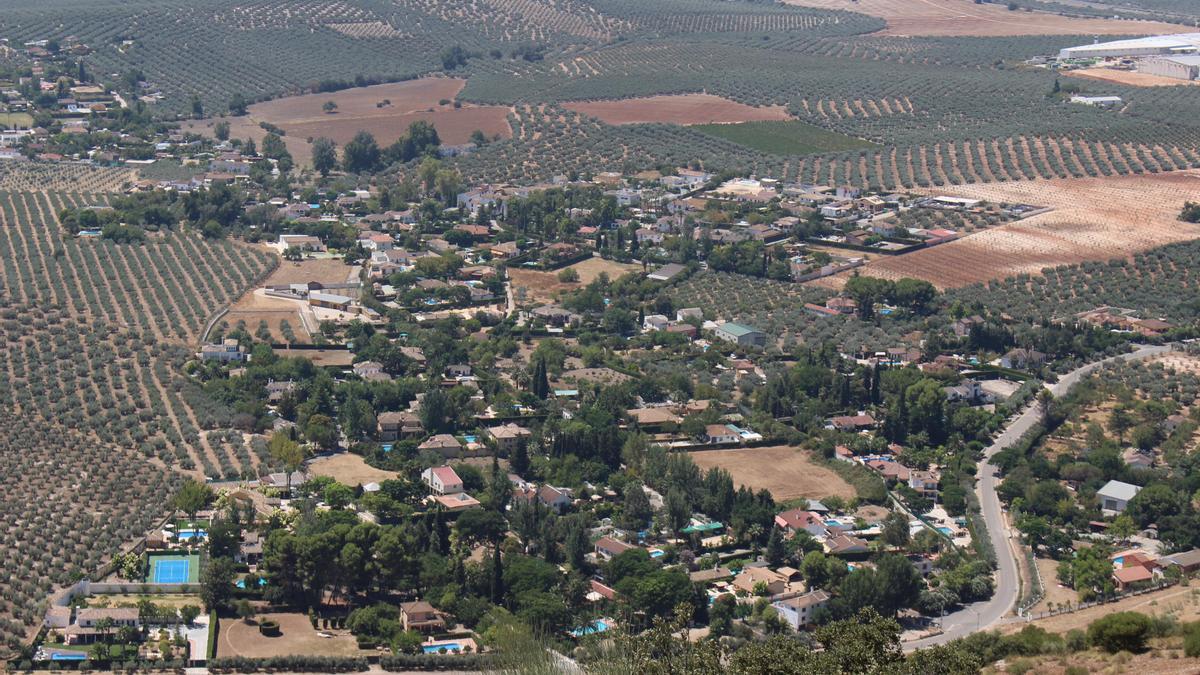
point(171, 571)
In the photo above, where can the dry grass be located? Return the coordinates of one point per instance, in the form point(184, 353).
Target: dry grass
point(534, 287)
point(787, 472)
point(1155, 662)
point(363, 109)
point(324, 270)
point(1128, 77)
point(298, 638)
point(1054, 594)
point(685, 109)
point(1092, 219)
point(964, 17)
point(1182, 602)
point(349, 469)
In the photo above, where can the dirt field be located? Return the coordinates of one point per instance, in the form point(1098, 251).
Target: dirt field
point(683, 109)
point(238, 638)
point(348, 469)
point(532, 287)
point(1092, 219)
point(1054, 594)
point(964, 17)
point(787, 472)
point(324, 270)
point(1128, 77)
point(363, 109)
point(1154, 662)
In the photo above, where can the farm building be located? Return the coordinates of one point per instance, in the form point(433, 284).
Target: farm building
point(743, 336)
point(1159, 45)
point(1184, 67)
point(1098, 101)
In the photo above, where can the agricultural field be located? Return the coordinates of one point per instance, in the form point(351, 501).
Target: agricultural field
point(385, 110)
point(786, 472)
point(963, 17)
point(58, 177)
point(784, 138)
point(1091, 220)
point(682, 109)
point(97, 334)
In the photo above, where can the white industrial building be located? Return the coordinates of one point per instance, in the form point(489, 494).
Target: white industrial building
point(1159, 45)
point(1186, 67)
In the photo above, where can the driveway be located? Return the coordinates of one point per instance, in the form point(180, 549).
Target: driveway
point(984, 615)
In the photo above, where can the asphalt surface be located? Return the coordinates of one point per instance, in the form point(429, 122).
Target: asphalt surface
point(984, 615)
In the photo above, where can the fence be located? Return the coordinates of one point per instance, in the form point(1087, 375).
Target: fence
point(1069, 609)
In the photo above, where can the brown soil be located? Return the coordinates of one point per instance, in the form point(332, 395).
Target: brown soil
point(964, 17)
point(1092, 219)
point(533, 287)
point(363, 109)
point(787, 472)
point(298, 638)
point(349, 469)
point(325, 270)
point(1128, 77)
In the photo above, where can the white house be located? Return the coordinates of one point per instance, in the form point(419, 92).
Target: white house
point(1115, 495)
point(442, 480)
point(798, 612)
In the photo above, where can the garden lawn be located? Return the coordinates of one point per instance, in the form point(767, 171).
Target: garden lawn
point(784, 138)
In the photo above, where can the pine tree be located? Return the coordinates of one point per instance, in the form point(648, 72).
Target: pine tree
point(497, 575)
point(519, 460)
point(540, 384)
point(776, 551)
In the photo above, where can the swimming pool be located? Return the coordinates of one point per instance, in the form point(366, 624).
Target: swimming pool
point(241, 583)
point(185, 535)
point(597, 626)
point(437, 649)
point(470, 439)
point(68, 656)
point(946, 531)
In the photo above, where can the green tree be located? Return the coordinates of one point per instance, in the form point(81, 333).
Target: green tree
point(895, 529)
point(192, 497)
point(237, 105)
point(1121, 631)
point(329, 107)
point(287, 453)
point(216, 583)
point(361, 154)
point(324, 155)
point(221, 130)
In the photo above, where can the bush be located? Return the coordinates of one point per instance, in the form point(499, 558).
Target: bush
point(1122, 631)
point(1191, 639)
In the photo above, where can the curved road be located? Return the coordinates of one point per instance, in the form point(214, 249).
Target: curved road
point(983, 615)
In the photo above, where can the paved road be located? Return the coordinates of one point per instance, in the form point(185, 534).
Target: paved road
point(982, 615)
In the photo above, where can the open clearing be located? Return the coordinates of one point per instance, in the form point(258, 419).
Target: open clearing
point(787, 472)
point(348, 469)
point(1129, 77)
point(684, 109)
point(964, 17)
point(254, 307)
point(16, 121)
point(1092, 219)
point(532, 286)
point(297, 638)
point(385, 110)
point(323, 270)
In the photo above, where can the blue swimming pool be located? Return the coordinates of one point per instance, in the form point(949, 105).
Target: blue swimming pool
point(946, 531)
point(597, 626)
point(68, 656)
point(241, 583)
point(437, 649)
point(470, 439)
point(185, 535)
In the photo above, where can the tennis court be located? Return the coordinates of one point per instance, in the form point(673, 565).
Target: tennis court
point(174, 569)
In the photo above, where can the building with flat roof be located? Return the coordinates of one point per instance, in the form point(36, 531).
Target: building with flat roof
point(1158, 45)
point(1183, 67)
point(741, 335)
